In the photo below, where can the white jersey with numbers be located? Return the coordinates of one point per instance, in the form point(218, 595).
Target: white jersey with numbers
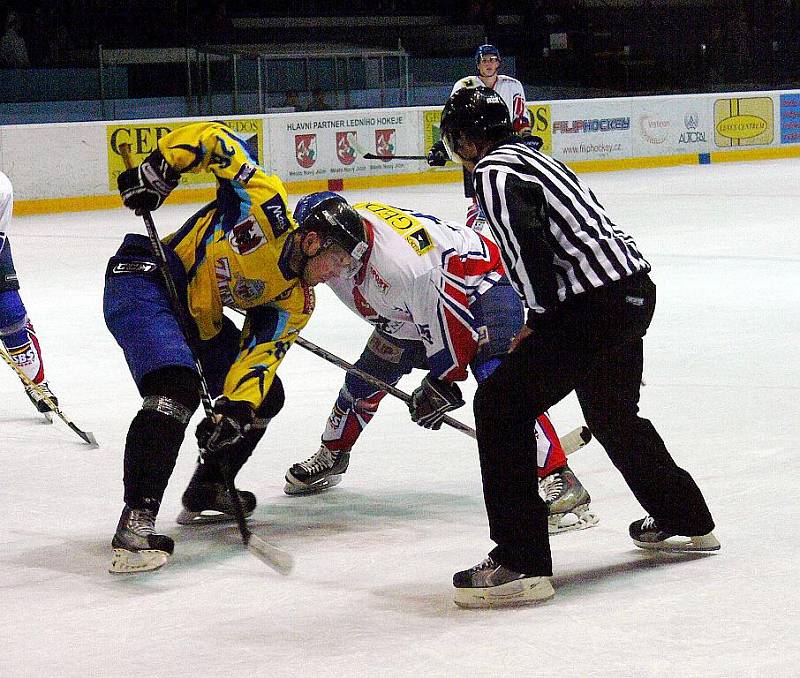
point(420, 276)
point(510, 90)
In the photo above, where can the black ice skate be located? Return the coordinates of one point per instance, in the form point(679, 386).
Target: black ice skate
point(646, 534)
point(567, 502)
point(209, 502)
point(39, 394)
point(136, 546)
point(488, 584)
point(320, 471)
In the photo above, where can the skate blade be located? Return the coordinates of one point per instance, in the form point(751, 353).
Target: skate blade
point(48, 417)
point(187, 517)
point(527, 591)
point(293, 487)
point(129, 562)
point(580, 519)
point(705, 543)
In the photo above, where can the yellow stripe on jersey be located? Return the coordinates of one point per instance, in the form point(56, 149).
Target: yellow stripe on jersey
point(403, 223)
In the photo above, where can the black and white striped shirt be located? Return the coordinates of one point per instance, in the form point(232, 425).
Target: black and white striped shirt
point(555, 237)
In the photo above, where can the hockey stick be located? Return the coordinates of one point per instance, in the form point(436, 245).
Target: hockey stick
point(372, 156)
point(270, 555)
point(87, 436)
point(571, 442)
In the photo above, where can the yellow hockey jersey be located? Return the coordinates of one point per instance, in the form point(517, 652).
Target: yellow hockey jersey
point(233, 254)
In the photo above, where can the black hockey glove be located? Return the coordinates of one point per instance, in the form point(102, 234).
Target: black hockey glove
point(231, 421)
point(432, 400)
point(437, 156)
point(145, 188)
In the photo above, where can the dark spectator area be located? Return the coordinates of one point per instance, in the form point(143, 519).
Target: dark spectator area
point(88, 50)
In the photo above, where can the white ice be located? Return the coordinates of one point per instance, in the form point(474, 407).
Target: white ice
point(371, 592)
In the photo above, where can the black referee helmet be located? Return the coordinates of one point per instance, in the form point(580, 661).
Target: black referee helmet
point(477, 112)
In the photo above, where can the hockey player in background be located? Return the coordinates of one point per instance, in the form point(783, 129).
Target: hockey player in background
point(487, 61)
point(590, 301)
point(16, 330)
point(243, 251)
point(438, 297)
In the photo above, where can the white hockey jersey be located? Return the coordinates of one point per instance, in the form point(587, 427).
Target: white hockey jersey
point(6, 207)
point(420, 276)
point(511, 91)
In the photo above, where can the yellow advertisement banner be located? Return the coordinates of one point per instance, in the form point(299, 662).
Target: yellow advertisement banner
point(746, 121)
point(538, 114)
point(542, 125)
point(143, 139)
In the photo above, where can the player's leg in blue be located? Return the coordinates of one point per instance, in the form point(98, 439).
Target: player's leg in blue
point(384, 357)
point(19, 337)
point(138, 313)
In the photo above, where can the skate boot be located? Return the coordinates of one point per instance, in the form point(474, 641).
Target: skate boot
point(567, 502)
point(208, 501)
point(320, 471)
point(488, 584)
point(37, 398)
point(136, 546)
point(646, 534)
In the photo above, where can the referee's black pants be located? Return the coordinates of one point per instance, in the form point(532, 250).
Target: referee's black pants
point(593, 345)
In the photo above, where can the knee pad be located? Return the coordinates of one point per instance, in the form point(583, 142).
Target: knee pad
point(173, 391)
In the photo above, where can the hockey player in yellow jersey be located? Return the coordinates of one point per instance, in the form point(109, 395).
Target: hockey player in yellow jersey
point(243, 251)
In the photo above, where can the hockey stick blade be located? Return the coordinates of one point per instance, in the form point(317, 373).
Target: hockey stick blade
point(54, 408)
point(575, 439)
point(88, 436)
point(279, 560)
point(372, 156)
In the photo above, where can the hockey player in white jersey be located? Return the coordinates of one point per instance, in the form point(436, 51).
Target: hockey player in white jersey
point(439, 299)
point(16, 331)
point(488, 62)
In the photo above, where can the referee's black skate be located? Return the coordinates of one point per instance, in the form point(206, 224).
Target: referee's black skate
point(136, 546)
point(207, 501)
point(489, 584)
point(320, 471)
point(646, 534)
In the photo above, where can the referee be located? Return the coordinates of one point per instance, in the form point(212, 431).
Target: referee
point(590, 301)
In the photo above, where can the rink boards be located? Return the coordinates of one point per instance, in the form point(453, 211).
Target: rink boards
point(73, 166)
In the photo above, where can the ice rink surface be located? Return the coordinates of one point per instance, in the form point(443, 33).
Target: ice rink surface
point(371, 592)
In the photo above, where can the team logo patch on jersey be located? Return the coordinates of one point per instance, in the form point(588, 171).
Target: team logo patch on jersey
point(345, 147)
point(420, 241)
point(305, 149)
point(245, 173)
point(275, 211)
point(248, 289)
point(384, 142)
point(246, 236)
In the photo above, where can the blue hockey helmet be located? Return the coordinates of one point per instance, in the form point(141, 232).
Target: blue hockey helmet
point(486, 50)
point(330, 215)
